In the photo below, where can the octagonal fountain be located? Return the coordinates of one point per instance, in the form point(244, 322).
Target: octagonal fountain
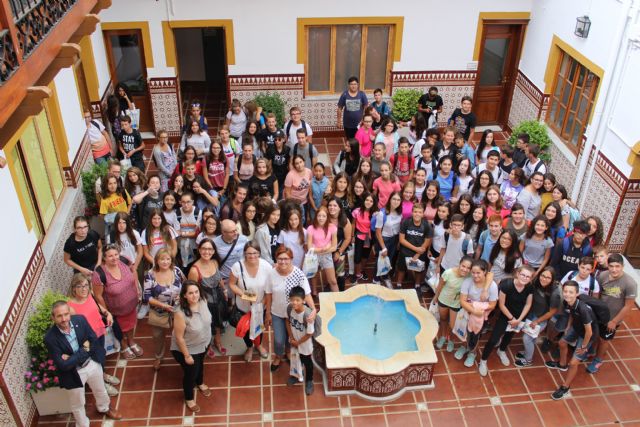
point(375, 342)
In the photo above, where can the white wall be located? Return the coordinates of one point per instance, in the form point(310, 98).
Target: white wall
point(100, 57)
point(190, 54)
point(436, 36)
point(72, 119)
point(17, 242)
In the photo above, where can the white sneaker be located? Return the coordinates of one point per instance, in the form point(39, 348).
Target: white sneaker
point(111, 390)
point(503, 357)
point(388, 284)
point(482, 367)
point(143, 310)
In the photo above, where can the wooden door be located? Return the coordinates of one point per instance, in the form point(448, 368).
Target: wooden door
point(497, 67)
point(125, 51)
point(632, 251)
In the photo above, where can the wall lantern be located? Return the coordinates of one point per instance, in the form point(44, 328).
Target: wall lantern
point(583, 24)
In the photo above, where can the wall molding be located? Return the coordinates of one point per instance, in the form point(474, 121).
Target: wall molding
point(72, 173)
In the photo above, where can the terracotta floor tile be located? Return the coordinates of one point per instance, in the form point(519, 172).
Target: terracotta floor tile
point(170, 377)
point(582, 380)
point(324, 422)
point(208, 420)
point(170, 404)
point(443, 390)
point(469, 386)
point(293, 423)
point(134, 405)
point(538, 379)
point(406, 419)
point(446, 418)
point(164, 421)
point(595, 409)
point(523, 414)
point(632, 368)
point(216, 374)
point(215, 404)
point(480, 414)
point(626, 406)
point(508, 382)
point(138, 379)
point(555, 413)
point(245, 374)
point(244, 400)
point(244, 418)
point(367, 410)
point(609, 375)
point(626, 347)
point(632, 321)
point(369, 421)
point(287, 398)
point(318, 400)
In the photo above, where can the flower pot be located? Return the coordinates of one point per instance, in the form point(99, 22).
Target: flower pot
point(51, 401)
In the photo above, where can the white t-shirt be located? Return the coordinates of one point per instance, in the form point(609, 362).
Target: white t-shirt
point(237, 124)
point(455, 252)
point(256, 284)
point(230, 153)
point(390, 226)
point(127, 248)
point(496, 173)
point(280, 286)
point(291, 239)
point(584, 284)
point(292, 138)
point(156, 241)
point(300, 328)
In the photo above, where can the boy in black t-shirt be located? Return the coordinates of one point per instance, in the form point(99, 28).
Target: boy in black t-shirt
point(519, 155)
point(279, 158)
point(130, 143)
point(429, 103)
point(415, 238)
point(463, 119)
point(567, 254)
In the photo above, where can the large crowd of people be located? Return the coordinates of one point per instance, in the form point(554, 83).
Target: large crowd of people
point(225, 226)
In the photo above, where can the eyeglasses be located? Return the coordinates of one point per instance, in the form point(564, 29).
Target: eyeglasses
point(524, 276)
point(284, 259)
point(252, 253)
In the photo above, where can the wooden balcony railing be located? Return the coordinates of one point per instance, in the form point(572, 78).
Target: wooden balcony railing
point(34, 38)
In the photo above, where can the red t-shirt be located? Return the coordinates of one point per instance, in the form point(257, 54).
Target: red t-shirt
point(402, 167)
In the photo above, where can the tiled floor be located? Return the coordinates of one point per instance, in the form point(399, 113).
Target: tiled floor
point(247, 394)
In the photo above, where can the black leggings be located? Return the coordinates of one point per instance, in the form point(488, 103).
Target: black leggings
point(498, 331)
point(192, 375)
point(473, 338)
point(308, 367)
point(360, 252)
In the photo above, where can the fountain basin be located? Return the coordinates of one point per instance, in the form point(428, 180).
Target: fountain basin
point(381, 367)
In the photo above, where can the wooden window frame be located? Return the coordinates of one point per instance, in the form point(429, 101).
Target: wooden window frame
point(106, 33)
point(363, 58)
point(562, 131)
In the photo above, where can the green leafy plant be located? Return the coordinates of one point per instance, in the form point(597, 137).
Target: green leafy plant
point(38, 324)
point(89, 179)
point(272, 103)
point(538, 134)
point(405, 104)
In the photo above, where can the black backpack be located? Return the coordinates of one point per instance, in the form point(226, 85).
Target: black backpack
point(295, 151)
point(600, 308)
point(288, 128)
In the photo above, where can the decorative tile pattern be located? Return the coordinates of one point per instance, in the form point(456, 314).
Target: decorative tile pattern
point(627, 213)
point(6, 419)
point(601, 199)
point(72, 173)
point(564, 170)
point(165, 103)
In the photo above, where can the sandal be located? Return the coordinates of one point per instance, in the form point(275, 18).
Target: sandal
point(275, 367)
point(136, 350)
point(193, 408)
point(263, 353)
point(128, 354)
point(206, 392)
point(156, 364)
point(210, 353)
point(248, 355)
point(221, 349)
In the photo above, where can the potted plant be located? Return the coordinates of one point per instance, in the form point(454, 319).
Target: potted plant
point(41, 377)
point(271, 103)
point(89, 178)
point(405, 104)
point(537, 132)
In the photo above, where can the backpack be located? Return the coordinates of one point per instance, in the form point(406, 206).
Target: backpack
point(452, 177)
point(600, 308)
point(586, 249)
point(317, 322)
point(290, 123)
point(538, 165)
point(374, 219)
point(465, 242)
point(295, 150)
point(103, 276)
point(434, 166)
point(93, 122)
point(196, 212)
point(592, 280)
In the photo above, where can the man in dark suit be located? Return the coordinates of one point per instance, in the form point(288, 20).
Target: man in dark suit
point(78, 355)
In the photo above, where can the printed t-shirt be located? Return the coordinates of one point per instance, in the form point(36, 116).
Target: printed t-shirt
point(299, 184)
point(299, 329)
point(85, 252)
point(414, 234)
point(321, 238)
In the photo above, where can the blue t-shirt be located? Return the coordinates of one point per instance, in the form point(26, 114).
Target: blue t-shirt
point(469, 153)
point(487, 244)
point(353, 108)
point(318, 188)
point(446, 184)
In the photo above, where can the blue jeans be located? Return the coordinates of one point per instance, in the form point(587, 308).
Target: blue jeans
point(102, 160)
point(279, 334)
point(530, 343)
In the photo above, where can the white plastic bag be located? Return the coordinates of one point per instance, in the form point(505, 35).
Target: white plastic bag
point(310, 264)
point(433, 309)
point(135, 117)
point(417, 265)
point(351, 258)
point(431, 270)
point(384, 265)
point(296, 365)
point(257, 320)
point(460, 326)
point(111, 344)
point(433, 282)
point(125, 164)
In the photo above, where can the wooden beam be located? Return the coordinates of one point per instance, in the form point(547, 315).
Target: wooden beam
point(100, 5)
point(31, 105)
point(67, 56)
point(87, 28)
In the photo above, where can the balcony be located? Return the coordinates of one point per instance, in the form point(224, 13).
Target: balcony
point(37, 39)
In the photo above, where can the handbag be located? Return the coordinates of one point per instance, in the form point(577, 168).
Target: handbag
point(160, 320)
point(257, 320)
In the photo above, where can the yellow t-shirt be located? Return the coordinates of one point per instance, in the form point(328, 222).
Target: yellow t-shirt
point(546, 199)
point(115, 203)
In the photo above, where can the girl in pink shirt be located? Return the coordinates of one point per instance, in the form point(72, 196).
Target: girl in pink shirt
point(322, 239)
point(365, 136)
point(385, 184)
point(408, 196)
point(362, 235)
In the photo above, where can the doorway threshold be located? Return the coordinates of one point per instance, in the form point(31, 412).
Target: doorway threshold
point(495, 128)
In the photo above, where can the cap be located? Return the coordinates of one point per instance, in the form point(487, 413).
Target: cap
point(279, 133)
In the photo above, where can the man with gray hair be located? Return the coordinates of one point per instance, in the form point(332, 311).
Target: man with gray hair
point(229, 246)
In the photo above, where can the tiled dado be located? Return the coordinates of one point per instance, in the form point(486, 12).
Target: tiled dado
point(166, 104)
point(528, 102)
point(72, 173)
point(452, 86)
point(320, 112)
